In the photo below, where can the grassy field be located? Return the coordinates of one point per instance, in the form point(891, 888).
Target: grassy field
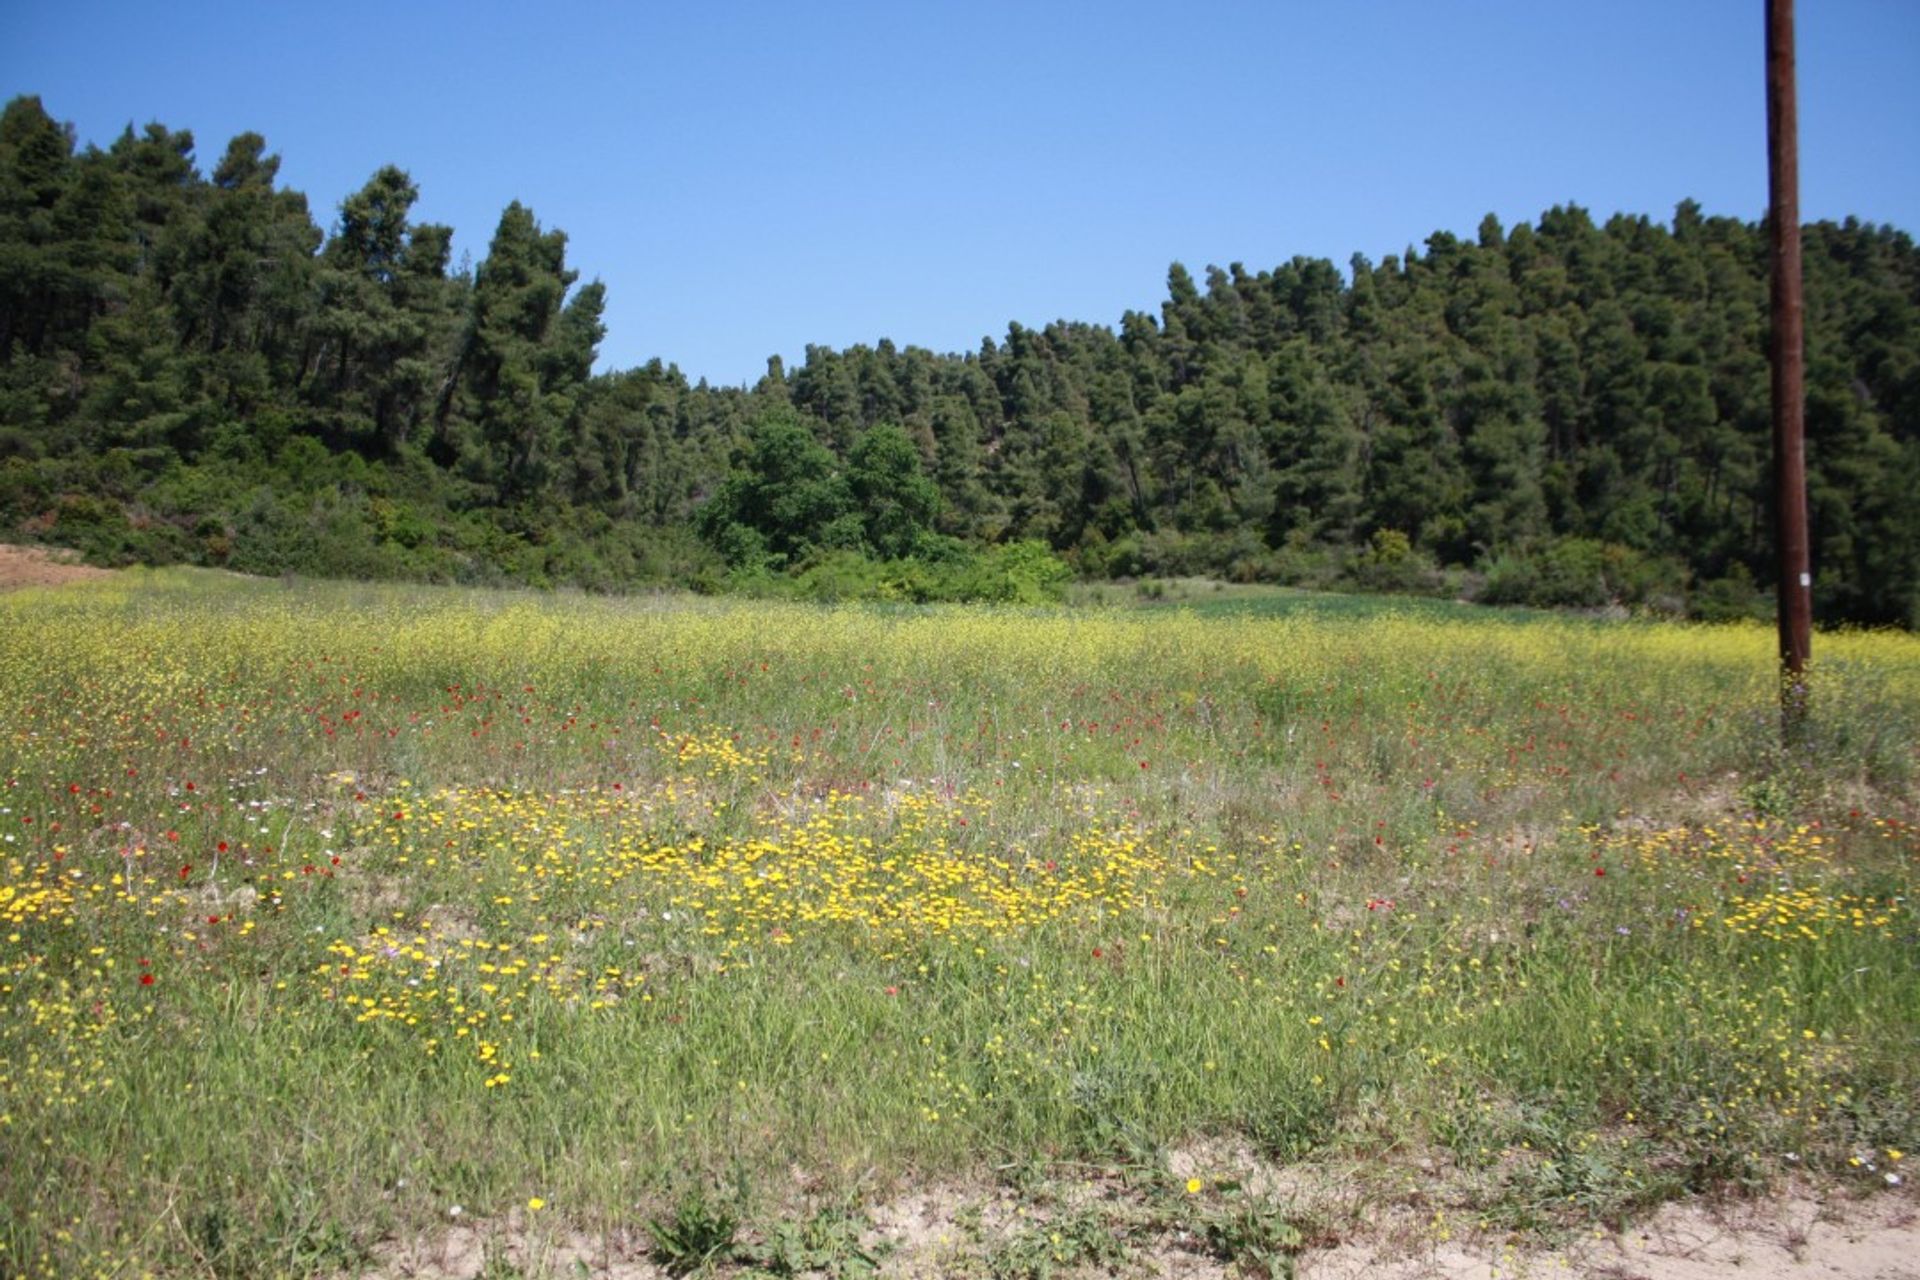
point(331, 915)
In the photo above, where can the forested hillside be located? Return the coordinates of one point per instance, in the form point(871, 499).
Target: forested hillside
point(192, 368)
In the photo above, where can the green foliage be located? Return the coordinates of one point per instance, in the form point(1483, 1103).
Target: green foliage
point(1390, 563)
point(1730, 598)
point(698, 1231)
point(826, 1243)
point(789, 496)
point(1567, 1177)
point(1584, 573)
point(859, 532)
point(896, 502)
point(1023, 572)
point(294, 1239)
point(1574, 412)
point(1060, 1245)
point(1017, 573)
point(783, 497)
point(1255, 1236)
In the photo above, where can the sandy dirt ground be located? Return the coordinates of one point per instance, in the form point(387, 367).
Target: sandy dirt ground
point(41, 567)
point(1790, 1236)
point(1798, 1235)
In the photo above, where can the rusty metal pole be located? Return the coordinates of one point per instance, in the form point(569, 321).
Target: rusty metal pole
point(1789, 383)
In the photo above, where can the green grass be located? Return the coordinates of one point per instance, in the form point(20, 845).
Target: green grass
point(1211, 597)
point(594, 903)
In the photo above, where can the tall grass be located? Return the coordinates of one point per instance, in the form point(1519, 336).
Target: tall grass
point(486, 898)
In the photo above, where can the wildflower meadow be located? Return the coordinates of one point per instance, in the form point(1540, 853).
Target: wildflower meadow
point(332, 916)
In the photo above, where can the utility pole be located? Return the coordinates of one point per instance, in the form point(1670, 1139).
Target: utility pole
point(1789, 382)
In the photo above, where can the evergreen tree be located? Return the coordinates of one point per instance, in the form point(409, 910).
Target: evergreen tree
point(190, 369)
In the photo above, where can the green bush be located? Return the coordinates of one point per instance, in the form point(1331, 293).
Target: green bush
point(1579, 573)
point(1392, 563)
point(1729, 598)
point(1013, 573)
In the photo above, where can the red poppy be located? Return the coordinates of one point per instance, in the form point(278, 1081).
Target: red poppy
point(146, 979)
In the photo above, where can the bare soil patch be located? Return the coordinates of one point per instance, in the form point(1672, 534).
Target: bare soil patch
point(43, 567)
point(935, 1233)
point(1798, 1233)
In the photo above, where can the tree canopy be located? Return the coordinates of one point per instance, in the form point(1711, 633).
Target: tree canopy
point(1565, 411)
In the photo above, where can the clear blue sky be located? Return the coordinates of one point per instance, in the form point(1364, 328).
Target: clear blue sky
point(747, 179)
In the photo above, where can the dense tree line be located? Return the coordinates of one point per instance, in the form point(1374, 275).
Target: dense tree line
point(1565, 412)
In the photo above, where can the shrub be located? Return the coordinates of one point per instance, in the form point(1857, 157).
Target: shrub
point(1013, 573)
point(1578, 573)
point(1728, 598)
point(1391, 563)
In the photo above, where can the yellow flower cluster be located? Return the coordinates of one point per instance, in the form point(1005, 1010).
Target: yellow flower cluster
point(888, 871)
point(1787, 914)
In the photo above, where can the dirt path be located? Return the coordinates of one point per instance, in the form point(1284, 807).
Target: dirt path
point(42, 567)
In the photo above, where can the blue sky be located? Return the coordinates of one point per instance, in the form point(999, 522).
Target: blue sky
point(750, 178)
